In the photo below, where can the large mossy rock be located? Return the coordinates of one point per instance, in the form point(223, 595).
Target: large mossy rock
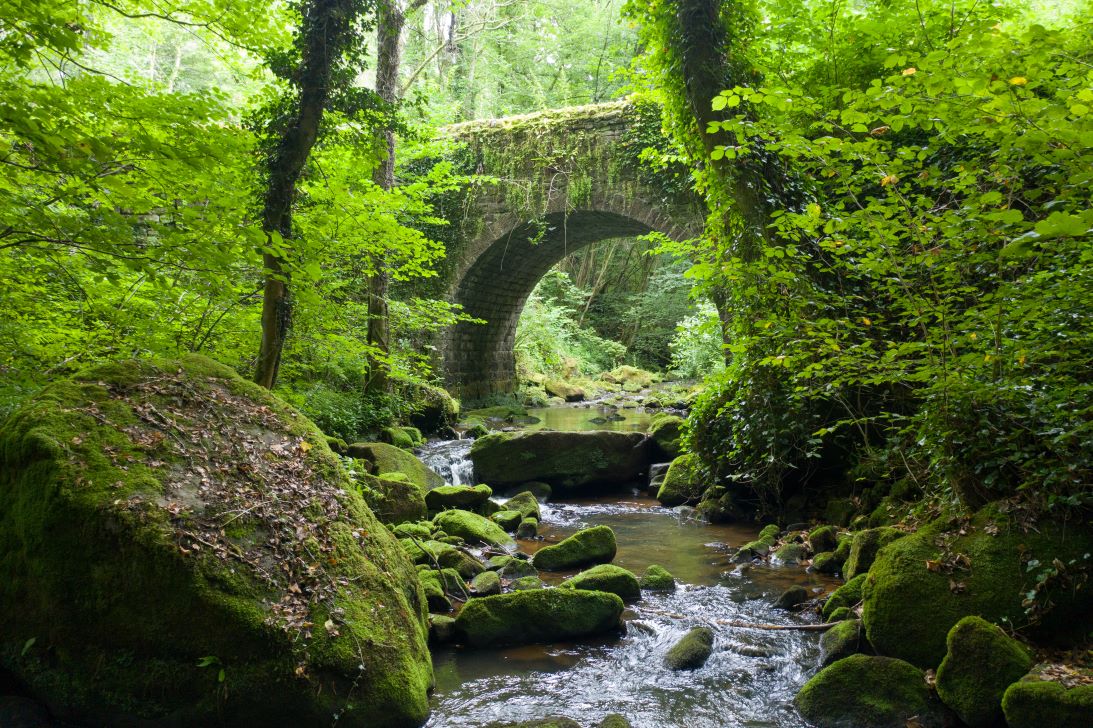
point(390, 459)
point(160, 516)
point(473, 528)
point(865, 546)
point(981, 662)
point(878, 692)
point(537, 615)
point(607, 578)
point(392, 501)
point(683, 483)
point(594, 545)
point(1034, 702)
point(563, 460)
point(917, 589)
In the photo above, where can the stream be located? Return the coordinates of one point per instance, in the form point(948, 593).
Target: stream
point(749, 680)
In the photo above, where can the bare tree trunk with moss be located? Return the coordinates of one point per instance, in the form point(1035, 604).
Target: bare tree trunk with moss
point(326, 31)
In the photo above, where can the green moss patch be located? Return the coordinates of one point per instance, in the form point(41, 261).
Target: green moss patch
point(594, 545)
point(879, 692)
point(980, 663)
point(537, 615)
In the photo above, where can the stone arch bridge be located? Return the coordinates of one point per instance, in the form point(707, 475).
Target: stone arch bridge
point(560, 180)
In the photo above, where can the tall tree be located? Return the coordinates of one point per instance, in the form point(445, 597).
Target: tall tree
point(328, 33)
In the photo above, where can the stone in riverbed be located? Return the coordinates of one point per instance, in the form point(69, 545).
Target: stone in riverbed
point(565, 460)
point(465, 497)
point(518, 568)
point(474, 528)
point(485, 584)
point(846, 638)
point(539, 615)
point(847, 595)
point(878, 692)
point(667, 433)
point(823, 538)
point(614, 720)
point(525, 503)
point(393, 500)
point(528, 529)
point(826, 563)
point(683, 483)
point(692, 650)
point(657, 578)
point(791, 597)
point(981, 662)
point(594, 545)
point(526, 582)
point(552, 722)
point(568, 392)
point(390, 459)
point(607, 578)
point(508, 520)
point(865, 546)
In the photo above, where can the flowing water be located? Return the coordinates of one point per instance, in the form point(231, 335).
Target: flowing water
point(750, 679)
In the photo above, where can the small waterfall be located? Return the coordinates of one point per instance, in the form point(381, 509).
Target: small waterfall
point(450, 459)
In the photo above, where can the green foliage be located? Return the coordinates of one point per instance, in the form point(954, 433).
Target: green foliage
point(696, 347)
point(926, 289)
point(549, 339)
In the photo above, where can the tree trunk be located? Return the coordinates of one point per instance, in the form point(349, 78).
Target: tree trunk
point(325, 32)
point(389, 56)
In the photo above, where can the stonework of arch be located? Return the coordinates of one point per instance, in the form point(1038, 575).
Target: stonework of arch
point(567, 179)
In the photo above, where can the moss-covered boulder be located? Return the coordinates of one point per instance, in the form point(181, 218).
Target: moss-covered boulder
point(508, 520)
point(760, 547)
point(846, 638)
point(657, 578)
point(438, 585)
point(526, 582)
point(564, 460)
point(826, 563)
point(667, 434)
point(431, 408)
point(923, 584)
point(840, 615)
point(537, 615)
point(614, 720)
point(474, 528)
point(421, 530)
point(387, 458)
point(485, 584)
point(823, 538)
point(607, 578)
point(980, 663)
point(1036, 702)
point(791, 598)
point(525, 503)
point(683, 483)
point(516, 569)
point(691, 651)
point(465, 497)
point(398, 437)
point(594, 545)
point(878, 692)
point(864, 548)
point(392, 500)
point(528, 528)
point(141, 506)
point(848, 595)
point(790, 553)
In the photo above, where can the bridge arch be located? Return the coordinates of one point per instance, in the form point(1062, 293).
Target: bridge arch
point(586, 185)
